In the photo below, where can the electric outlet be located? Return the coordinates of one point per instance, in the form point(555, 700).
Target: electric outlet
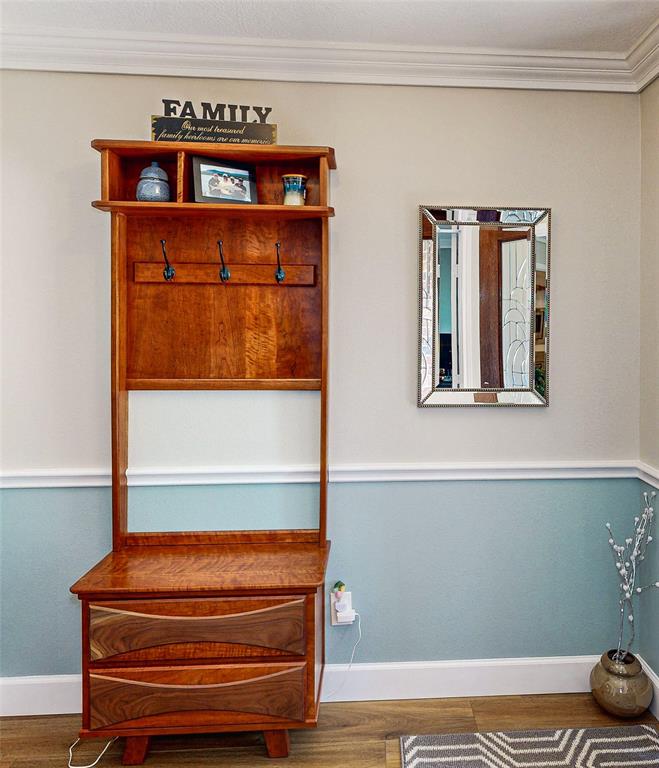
point(341, 610)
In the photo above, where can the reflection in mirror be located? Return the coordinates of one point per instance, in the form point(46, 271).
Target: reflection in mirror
point(484, 306)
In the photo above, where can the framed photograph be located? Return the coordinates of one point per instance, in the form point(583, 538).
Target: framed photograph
point(221, 181)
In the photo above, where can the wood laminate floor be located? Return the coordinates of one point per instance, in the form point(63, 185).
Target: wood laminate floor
point(349, 735)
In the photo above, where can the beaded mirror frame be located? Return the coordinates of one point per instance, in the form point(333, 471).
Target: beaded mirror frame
point(453, 220)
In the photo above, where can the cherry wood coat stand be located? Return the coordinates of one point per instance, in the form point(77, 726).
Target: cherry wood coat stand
point(193, 632)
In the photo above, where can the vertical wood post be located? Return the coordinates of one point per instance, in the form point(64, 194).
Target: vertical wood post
point(119, 394)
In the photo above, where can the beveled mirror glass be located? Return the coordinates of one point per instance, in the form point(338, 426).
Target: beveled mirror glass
point(483, 306)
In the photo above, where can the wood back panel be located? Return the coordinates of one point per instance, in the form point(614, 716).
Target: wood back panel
point(180, 330)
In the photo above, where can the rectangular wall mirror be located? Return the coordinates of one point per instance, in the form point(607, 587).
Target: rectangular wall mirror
point(483, 306)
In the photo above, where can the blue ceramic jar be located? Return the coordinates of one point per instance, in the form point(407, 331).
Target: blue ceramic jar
point(153, 186)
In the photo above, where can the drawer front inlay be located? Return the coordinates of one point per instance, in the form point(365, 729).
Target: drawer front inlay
point(258, 692)
point(196, 628)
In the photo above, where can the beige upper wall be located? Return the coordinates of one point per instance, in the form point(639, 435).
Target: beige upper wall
point(396, 147)
point(650, 275)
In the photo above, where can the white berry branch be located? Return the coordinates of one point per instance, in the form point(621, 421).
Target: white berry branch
point(627, 558)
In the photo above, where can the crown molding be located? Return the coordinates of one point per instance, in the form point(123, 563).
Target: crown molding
point(643, 58)
point(340, 473)
point(97, 51)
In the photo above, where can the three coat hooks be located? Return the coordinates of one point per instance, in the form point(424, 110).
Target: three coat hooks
point(169, 273)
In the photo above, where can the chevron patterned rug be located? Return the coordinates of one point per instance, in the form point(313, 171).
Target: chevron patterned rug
point(634, 746)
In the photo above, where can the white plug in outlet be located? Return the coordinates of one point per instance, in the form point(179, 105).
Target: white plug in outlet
point(341, 610)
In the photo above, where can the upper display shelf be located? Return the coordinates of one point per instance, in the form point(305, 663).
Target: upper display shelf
point(213, 178)
point(250, 153)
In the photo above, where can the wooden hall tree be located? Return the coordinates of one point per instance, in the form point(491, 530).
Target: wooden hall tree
point(193, 632)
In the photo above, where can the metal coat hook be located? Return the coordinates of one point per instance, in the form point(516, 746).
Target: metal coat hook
point(168, 272)
point(224, 272)
point(279, 274)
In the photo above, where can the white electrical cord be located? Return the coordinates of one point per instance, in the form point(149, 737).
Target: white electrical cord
point(90, 765)
point(352, 657)
point(359, 639)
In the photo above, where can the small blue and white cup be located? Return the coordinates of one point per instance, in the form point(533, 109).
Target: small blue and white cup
point(295, 188)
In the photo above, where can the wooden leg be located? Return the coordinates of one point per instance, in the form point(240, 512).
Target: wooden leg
point(277, 743)
point(135, 750)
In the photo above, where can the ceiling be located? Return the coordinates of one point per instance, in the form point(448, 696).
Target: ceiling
point(582, 44)
point(553, 25)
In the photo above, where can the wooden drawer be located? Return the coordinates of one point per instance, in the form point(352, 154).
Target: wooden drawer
point(164, 697)
point(159, 630)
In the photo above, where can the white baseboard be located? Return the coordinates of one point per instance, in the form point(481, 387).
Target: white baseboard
point(40, 695)
point(60, 694)
point(446, 679)
point(654, 678)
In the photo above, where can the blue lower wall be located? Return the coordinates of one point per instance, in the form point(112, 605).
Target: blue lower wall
point(458, 570)
point(48, 538)
point(439, 570)
point(223, 507)
point(648, 613)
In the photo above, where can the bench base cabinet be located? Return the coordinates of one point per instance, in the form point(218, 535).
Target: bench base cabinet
point(182, 661)
point(230, 664)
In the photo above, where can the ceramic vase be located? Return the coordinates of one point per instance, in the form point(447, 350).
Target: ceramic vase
point(153, 186)
point(621, 687)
